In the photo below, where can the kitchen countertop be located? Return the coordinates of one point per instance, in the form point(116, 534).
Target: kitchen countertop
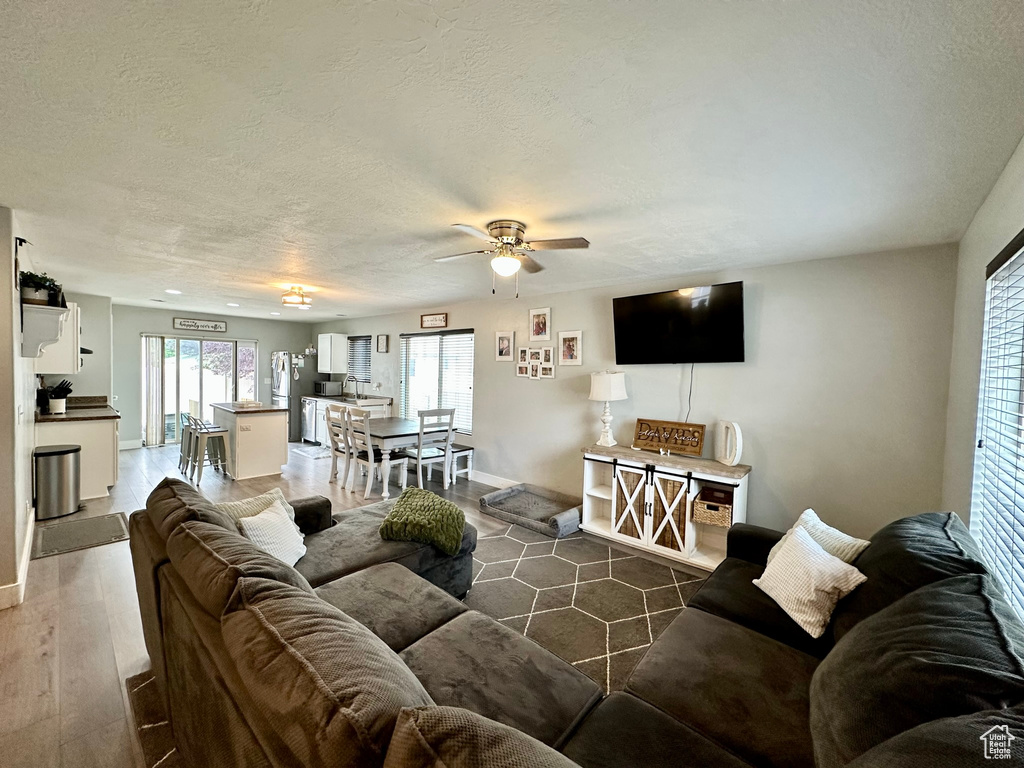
point(232, 408)
point(82, 413)
point(349, 399)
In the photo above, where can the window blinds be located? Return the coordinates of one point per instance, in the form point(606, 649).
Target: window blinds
point(437, 372)
point(359, 357)
point(997, 511)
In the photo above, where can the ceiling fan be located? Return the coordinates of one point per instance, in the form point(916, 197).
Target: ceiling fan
point(510, 249)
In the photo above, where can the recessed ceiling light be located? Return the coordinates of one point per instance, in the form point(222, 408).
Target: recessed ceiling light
point(232, 304)
point(173, 292)
point(275, 313)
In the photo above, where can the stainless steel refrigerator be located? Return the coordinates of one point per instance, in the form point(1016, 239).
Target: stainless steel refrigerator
point(289, 383)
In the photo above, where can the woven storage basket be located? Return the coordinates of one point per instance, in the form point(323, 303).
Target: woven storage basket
point(713, 507)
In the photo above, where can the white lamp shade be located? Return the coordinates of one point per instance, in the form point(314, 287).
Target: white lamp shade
point(608, 385)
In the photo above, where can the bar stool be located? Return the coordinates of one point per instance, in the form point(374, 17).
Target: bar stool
point(186, 445)
point(217, 452)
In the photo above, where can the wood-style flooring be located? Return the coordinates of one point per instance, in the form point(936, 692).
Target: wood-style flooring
point(67, 650)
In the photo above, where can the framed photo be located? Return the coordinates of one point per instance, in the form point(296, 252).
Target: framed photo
point(382, 342)
point(535, 355)
point(547, 355)
point(436, 320)
point(570, 348)
point(523, 370)
point(547, 371)
point(523, 357)
point(540, 324)
point(534, 370)
point(504, 343)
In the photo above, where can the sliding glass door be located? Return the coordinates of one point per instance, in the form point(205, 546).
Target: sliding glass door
point(183, 375)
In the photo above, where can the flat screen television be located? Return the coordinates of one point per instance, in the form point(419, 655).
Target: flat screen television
point(689, 325)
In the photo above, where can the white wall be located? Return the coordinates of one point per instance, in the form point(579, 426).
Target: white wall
point(842, 398)
point(131, 322)
point(997, 222)
point(17, 406)
point(96, 376)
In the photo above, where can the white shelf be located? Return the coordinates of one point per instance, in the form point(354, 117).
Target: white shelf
point(600, 492)
point(42, 326)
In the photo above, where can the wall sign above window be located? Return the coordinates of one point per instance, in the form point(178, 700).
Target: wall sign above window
point(205, 326)
point(436, 320)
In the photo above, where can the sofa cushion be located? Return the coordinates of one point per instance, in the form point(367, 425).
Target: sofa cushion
point(445, 737)
point(744, 691)
point(948, 649)
point(477, 663)
point(729, 592)
point(970, 740)
point(173, 502)
point(355, 543)
point(423, 516)
point(211, 561)
point(903, 556)
point(328, 685)
point(394, 603)
point(624, 732)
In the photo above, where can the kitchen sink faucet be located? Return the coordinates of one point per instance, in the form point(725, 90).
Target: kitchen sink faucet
point(349, 378)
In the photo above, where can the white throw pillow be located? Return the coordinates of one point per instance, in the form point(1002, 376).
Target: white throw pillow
point(832, 540)
point(236, 510)
point(273, 532)
point(807, 582)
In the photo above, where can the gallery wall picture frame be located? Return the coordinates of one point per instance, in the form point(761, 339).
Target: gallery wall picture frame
point(547, 371)
point(534, 370)
point(547, 355)
point(570, 347)
point(382, 342)
point(523, 370)
point(523, 357)
point(434, 320)
point(504, 344)
point(540, 324)
point(534, 355)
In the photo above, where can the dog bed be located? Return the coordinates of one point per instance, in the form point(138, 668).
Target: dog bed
point(539, 509)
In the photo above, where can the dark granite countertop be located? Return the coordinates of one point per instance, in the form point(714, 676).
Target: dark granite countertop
point(232, 408)
point(79, 413)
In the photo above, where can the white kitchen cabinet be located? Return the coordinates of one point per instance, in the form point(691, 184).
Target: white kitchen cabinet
point(99, 441)
point(64, 356)
point(332, 353)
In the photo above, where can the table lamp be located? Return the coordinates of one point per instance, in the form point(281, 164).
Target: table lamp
point(606, 386)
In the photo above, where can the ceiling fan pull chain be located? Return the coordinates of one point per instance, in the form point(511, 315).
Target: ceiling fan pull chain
point(517, 285)
point(492, 284)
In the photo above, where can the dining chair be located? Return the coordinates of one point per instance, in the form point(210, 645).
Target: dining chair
point(458, 452)
point(359, 428)
point(434, 444)
point(338, 435)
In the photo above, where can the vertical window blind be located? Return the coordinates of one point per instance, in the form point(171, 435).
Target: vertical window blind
point(437, 372)
point(997, 510)
point(359, 357)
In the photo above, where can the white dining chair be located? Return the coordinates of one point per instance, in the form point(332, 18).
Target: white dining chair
point(360, 439)
point(434, 444)
point(338, 435)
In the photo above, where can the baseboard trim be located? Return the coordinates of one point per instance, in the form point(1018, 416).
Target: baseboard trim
point(497, 482)
point(127, 445)
point(14, 594)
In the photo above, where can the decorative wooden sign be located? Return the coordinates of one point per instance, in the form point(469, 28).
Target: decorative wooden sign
point(436, 320)
point(672, 436)
point(208, 326)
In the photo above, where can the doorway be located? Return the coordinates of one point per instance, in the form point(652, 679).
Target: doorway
point(187, 375)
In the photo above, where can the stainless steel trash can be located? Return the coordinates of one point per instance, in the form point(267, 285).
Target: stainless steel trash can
point(58, 480)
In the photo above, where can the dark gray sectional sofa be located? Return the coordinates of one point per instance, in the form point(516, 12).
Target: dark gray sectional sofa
point(265, 668)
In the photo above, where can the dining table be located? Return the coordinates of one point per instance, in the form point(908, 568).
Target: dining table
point(391, 434)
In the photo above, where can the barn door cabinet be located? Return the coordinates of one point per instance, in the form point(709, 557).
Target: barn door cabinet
point(655, 502)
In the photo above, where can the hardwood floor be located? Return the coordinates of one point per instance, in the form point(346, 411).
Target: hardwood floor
point(67, 650)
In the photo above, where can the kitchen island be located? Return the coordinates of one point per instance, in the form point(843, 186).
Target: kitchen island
point(257, 438)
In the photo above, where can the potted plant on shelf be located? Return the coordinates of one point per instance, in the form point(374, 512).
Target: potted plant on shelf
point(38, 289)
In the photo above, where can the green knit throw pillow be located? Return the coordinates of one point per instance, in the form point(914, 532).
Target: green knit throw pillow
point(422, 516)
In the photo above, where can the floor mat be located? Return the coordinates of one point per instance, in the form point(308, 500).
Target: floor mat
point(151, 722)
point(58, 538)
point(314, 452)
point(592, 605)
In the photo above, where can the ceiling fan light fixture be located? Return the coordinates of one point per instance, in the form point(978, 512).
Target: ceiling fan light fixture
point(505, 265)
point(296, 298)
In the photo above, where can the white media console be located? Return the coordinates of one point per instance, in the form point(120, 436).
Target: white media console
point(646, 500)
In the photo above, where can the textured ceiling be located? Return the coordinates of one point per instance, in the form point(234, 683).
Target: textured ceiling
point(221, 148)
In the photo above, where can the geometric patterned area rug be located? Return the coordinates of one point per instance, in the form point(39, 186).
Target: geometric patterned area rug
point(151, 722)
point(594, 606)
point(70, 535)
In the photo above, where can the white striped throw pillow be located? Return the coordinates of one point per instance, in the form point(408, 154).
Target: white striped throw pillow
point(274, 532)
point(236, 510)
point(832, 540)
point(807, 582)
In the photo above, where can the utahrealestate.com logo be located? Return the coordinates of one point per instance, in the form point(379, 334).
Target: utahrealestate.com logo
point(998, 742)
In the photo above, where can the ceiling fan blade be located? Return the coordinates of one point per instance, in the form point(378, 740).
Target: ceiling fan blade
point(469, 229)
point(458, 255)
point(528, 263)
point(563, 244)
